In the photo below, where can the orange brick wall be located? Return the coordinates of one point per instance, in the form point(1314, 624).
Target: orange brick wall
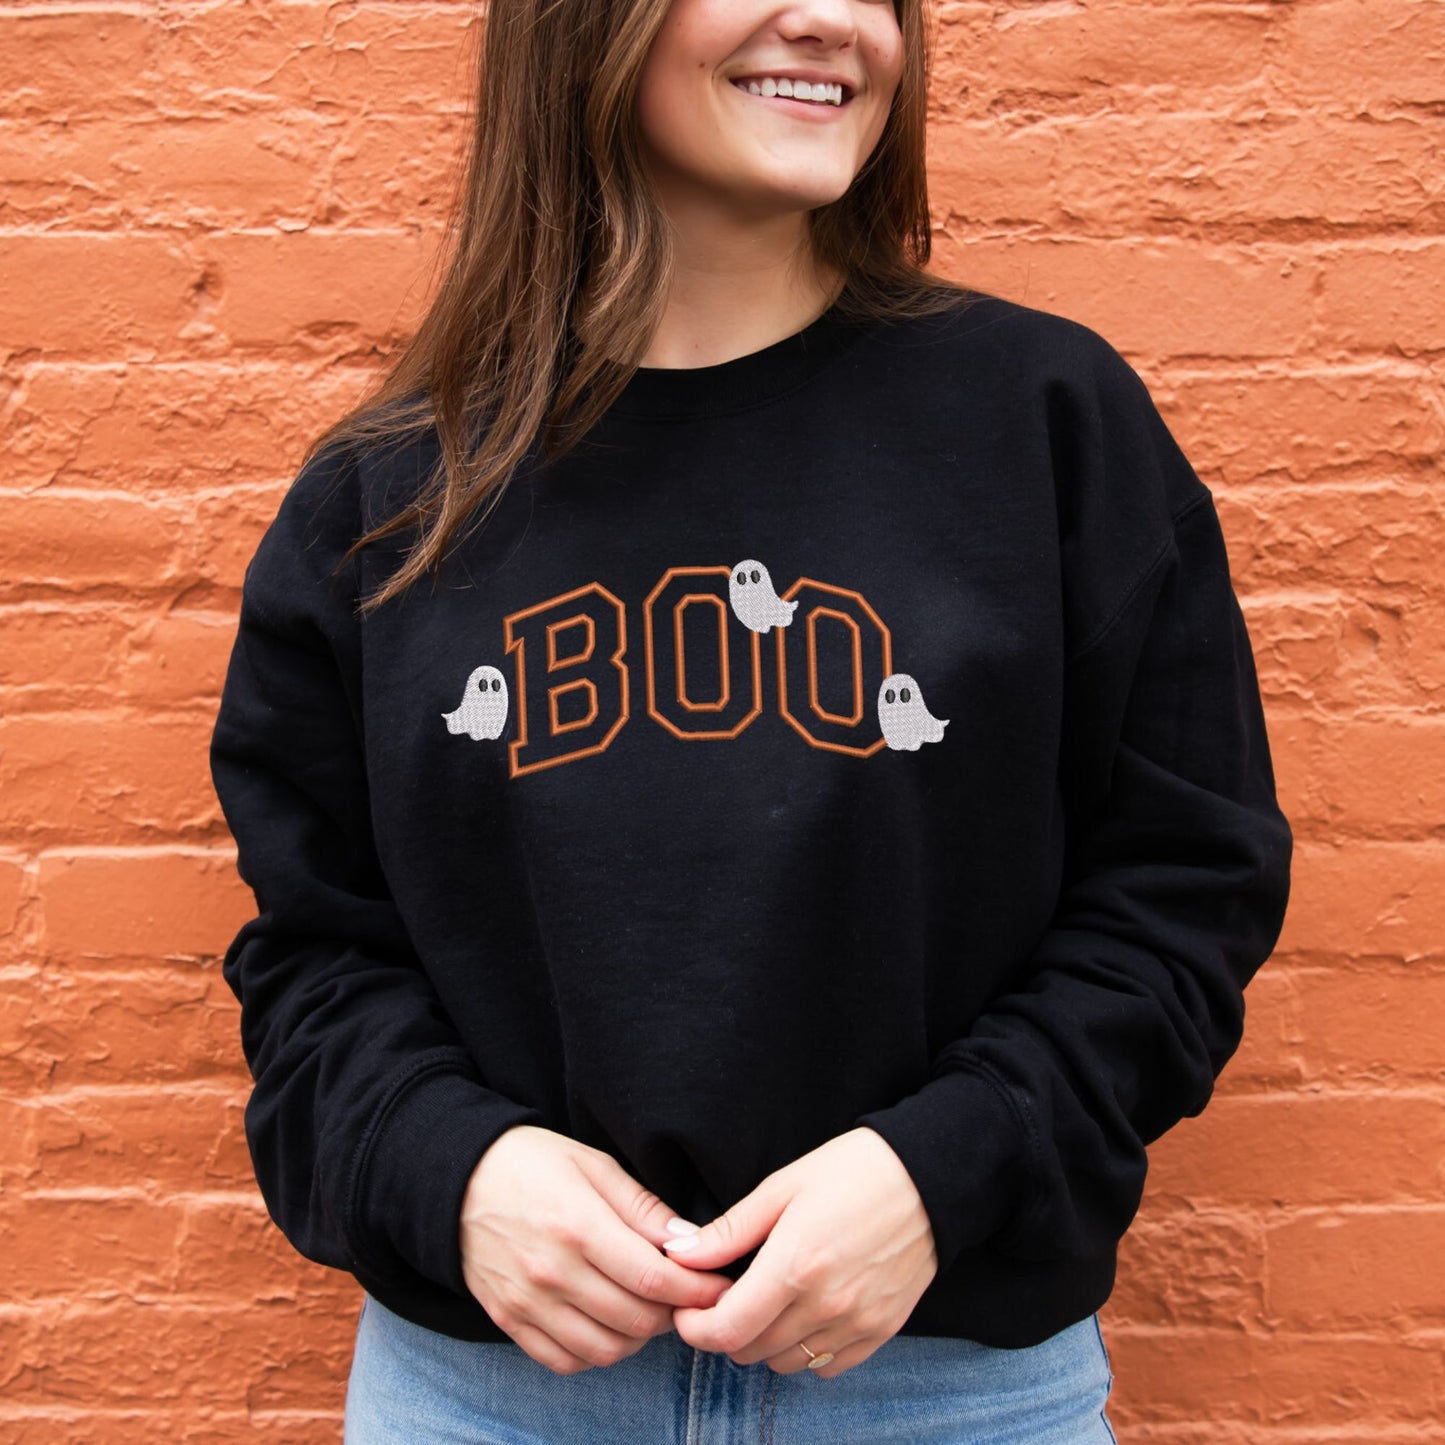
point(216, 219)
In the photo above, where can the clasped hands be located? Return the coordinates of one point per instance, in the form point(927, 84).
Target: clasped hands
point(846, 1252)
point(580, 1265)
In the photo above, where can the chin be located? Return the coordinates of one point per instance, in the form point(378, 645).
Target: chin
point(810, 196)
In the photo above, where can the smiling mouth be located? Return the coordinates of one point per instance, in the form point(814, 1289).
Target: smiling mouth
point(823, 94)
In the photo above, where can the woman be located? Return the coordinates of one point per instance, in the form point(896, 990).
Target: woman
point(727, 938)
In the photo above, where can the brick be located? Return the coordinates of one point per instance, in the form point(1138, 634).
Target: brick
point(226, 531)
point(1367, 537)
point(421, 57)
point(57, 653)
point(97, 653)
point(66, 1029)
point(43, 1426)
point(129, 1353)
point(1253, 432)
point(1156, 295)
point(82, 1248)
point(1268, 1055)
point(73, 63)
point(1367, 900)
point(12, 893)
point(88, 654)
point(1340, 1025)
point(105, 777)
point(1304, 1149)
point(1014, 60)
point(233, 1251)
point(1370, 1022)
point(94, 1247)
point(264, 56)
point(396, 165)
point(1370, 55)
point(1380, 778)
point(1244, 1434)
point(233, 171)
point(1154, 172)
point(1388, 296)
point(151, 904)
point(174, 426)
point(152, 288)
point(1190, 1267)
point(1254, 170)
point(302, 56)
point(177, 657)
point(1323, 1379)
point(74, 540)
point(102, 175)
point(1334, 652)
point(1357, 1268)
point(186, 1138)
point(321, 292)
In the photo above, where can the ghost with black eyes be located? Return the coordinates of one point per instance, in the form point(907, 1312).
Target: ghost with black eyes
point(754, 603)
point(482, 712)
point(907, 724)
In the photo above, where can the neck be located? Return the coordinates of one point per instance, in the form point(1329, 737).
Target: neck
point(736, 290)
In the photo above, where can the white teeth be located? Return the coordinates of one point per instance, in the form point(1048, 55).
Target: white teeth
point(819, 91)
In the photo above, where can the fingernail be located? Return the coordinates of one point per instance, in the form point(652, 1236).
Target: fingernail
point(680, 1226)
point(686, 1241)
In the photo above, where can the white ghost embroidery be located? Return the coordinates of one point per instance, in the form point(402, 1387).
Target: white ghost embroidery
point(755, 604)
point(482, 712)
point(906, 722)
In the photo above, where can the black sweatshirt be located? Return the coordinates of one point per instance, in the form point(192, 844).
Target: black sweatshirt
point(863, 731)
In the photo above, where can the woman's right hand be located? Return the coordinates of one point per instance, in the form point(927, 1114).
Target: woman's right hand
point(562, 1248)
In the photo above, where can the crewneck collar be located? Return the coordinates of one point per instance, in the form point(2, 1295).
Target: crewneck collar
point(743, 382)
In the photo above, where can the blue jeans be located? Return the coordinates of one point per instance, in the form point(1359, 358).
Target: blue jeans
point(410, 1384)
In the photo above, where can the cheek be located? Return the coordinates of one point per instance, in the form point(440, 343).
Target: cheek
point(657, 113)
point(890, 71)
point(656, 100)
point(884, 48)
point(886, 73)
point(671, 92)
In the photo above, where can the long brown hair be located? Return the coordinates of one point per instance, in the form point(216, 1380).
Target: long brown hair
point(559, 259)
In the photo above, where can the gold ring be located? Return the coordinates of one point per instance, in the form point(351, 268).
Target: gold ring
point(815, 1362)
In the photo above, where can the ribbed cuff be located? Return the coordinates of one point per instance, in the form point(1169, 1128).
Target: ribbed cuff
point(416, 1169)
point(967, 1149)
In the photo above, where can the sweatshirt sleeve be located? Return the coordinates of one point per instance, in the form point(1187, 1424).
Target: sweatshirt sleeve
point(367, 1114)
point(1029, 1135)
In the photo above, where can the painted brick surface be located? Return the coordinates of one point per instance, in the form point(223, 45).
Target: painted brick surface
point(217, 217)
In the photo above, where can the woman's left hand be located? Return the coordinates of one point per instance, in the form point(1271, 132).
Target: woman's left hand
point(847, 1249)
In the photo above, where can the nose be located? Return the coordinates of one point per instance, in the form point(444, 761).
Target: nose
point(831, 22)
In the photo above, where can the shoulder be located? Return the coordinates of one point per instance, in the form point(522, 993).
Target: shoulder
point(347, 485)
point(316, 512)
point(1064, 382)
point(295, 576)
point(1017, 344)
point(304, 560)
